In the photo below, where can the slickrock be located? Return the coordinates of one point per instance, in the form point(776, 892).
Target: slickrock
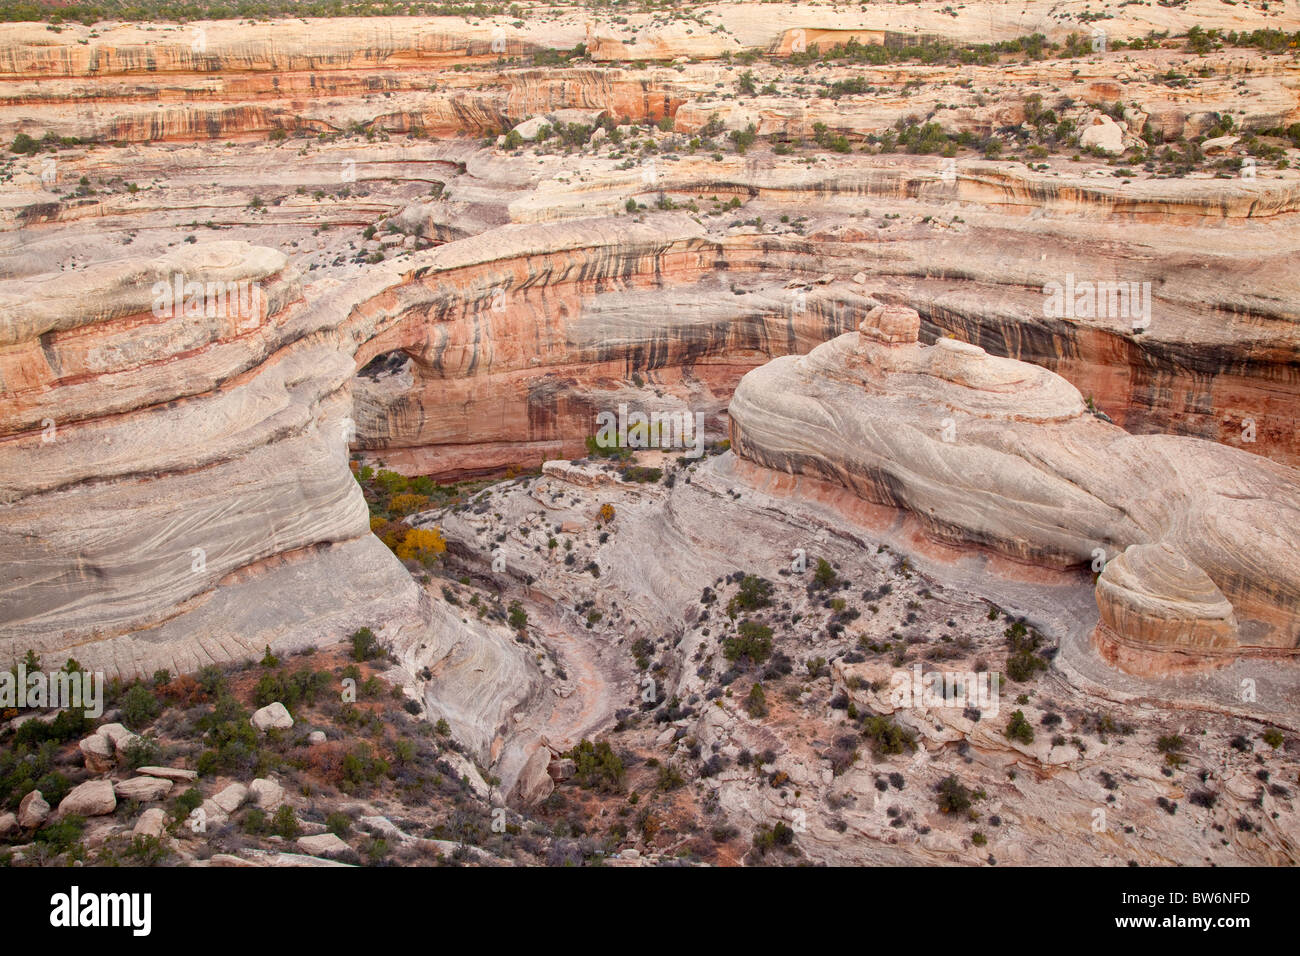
point(1005, 455)
point(446, 244)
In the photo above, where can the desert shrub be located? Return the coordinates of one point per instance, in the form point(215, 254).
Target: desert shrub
point(284, 823)
point(1018, 728)
point(754, 642)
point(365, 646)
point(230, 739)
point(141, 752)
point(302, 686)
point(63, 834)
point(422, 545)
point(391, 482)
point(66, 725)
point(824, 577)
point(754, 593)
point(756, 702)
point(407, 503)
point(518, 617)
point(597, 767)
point(767, 838)
point(953, 796)
point(669, 778)
point(887, 737)
point(139, 707)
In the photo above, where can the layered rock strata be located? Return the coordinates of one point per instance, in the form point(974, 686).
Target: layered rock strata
point(1187, 535)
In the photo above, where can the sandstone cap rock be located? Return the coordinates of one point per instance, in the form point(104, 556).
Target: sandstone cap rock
point(891, 324)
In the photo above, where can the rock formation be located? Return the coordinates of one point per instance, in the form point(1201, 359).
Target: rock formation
point(1006, 455)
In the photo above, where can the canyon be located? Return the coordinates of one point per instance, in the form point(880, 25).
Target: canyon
point(989, 317)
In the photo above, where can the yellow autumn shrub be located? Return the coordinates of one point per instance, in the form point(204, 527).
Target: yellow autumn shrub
point(407, 503)
point(423, 545)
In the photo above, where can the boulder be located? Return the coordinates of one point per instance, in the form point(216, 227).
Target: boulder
point(1105, 134)
point(143, 789)
point(94, 798)
point(534, 783)
point(33, 810)
point(273, 716)
point(231, 798)
point(467, 772)
point(119, 735)
point(8, 824)
point(1220, 144)
point(561, 769)
point(151, 823)
point(211, 814)
point(316, 737)
point(174, 774)
point(266, 794)
point(98, 752)
point(324, 844)
point(529, 129)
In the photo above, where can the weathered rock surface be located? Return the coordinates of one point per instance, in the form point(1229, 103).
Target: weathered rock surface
point(142, 789)
point(1001, 454)
point(175, 774)
point(151, 823)
point(32, 810)
point(324, 844)
point(231, 798)
point(99, 753)
point(266, 794)
point(94, 798)
point(272, 717)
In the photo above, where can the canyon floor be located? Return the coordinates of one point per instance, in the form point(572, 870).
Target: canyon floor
point(371, 491)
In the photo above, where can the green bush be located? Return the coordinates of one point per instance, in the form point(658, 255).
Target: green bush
point(597, 767)
point(887, 737)
point(753, 642)
point(365, 646)
point(953, 796)
point(139, 707)
point(1018, 728)
point(754, 593)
